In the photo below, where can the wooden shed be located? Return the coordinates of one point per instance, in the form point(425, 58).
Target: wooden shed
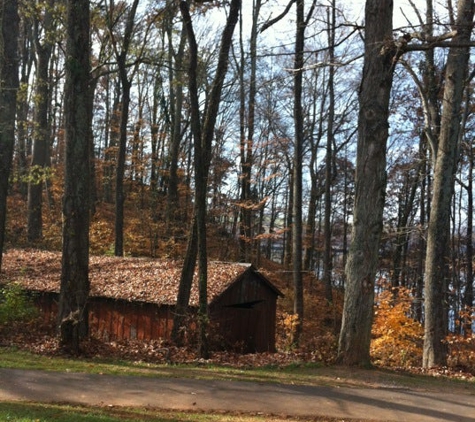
point(134, 298)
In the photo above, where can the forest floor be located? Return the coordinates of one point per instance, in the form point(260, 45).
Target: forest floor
point(380, 402)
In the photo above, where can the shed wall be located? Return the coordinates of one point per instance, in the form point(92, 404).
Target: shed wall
point(117, 319)
point(244, 316)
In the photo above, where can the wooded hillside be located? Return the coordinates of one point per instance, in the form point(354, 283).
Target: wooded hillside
point(327, 143)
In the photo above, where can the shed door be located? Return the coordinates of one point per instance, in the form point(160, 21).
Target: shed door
point(244, 326)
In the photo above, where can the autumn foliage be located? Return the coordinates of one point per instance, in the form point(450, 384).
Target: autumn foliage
point(397, 337)
point(462, 346)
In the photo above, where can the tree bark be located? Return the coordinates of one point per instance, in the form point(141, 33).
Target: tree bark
point(126, 84)
point(468, 294)
point(176, 99)
point(315, 191)
point(405, 208)
point(184, 287)
point(41, 130)
point(9, 30)
point(247, 142)
point(438, 236)
point(327, 253)
point(370, 184)
point(203, 136)
point(26, 64)
point(297, 174)
point(74, 292)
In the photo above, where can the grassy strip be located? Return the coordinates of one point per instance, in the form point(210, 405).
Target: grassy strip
point(35, 412)
point(298, 373)
point(292, 374)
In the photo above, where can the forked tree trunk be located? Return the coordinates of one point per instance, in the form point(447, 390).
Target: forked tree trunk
point(203, 136)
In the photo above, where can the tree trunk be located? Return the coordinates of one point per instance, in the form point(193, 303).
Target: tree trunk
point(41, 130)
point(405, 207)
point(26, 63)
point(370, 184)
point(297, 174)
point(120, 170)
point(437, 257)
point(74, 292)
point(288, 217)
point(432, 86)
point(327, 252)
point(315, 193)
point(176, 100)
point(184, 288)
point(468, 294)
point(124, 118)
point(247, 142)
point(203, 137)
point(111, 138)
point(417, 307)
point(9, 22)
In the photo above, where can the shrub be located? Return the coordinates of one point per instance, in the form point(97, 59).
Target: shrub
point(397, 338)
point(16, 305)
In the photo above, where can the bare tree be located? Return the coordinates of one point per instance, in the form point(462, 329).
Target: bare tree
point(247, 140)
point(203, 133)
point(121, 52)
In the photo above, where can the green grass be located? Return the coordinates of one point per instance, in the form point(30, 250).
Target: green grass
point(294, 374)
point(35, 412)
point(297, 373)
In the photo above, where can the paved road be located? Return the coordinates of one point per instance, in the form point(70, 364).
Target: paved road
point(382, 404)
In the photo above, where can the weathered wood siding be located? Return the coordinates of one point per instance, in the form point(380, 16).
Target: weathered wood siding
point(243, 316)
point(111, 319)
point(119, 319)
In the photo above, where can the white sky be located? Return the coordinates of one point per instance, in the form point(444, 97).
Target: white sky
point(401, 8)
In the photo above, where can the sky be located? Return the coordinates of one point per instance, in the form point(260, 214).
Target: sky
point(401, 8)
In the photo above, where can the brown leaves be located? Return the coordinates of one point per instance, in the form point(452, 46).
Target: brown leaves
point(133, 279)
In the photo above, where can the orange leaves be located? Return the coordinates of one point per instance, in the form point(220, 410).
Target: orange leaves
point(288, 323)
point(397, 338)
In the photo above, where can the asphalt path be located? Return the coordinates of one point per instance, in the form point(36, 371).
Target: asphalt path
point(371, 404)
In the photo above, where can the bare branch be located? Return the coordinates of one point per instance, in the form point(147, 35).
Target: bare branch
point(416, 11)
point(425, 107)
point(271, 22)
